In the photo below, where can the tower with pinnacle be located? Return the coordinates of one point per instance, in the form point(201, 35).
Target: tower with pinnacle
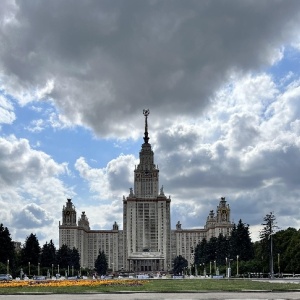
point(146, 221)
point(146, 242)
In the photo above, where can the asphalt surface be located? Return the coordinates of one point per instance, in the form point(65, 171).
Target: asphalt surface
point(158, 296)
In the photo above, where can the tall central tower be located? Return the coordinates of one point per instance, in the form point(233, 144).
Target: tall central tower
point(147, 216)
point(146, 173)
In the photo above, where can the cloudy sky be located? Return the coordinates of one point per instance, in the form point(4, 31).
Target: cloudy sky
point(221, 80)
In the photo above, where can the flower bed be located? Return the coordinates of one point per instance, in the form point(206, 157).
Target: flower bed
point(66, 283)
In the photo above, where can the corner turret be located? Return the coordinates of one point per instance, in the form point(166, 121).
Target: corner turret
point(69, 214)
point(84, 221)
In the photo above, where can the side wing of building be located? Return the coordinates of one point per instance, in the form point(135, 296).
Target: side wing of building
point(88, 242)
point(184, 241)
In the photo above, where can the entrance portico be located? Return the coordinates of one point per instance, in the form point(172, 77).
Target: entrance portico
point(146, 262)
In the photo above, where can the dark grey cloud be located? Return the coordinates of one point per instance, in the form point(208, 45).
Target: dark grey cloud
point(109, 59)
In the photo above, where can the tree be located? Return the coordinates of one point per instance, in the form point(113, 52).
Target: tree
point(240, 242)
point(68, 258)
point(75, 258)
point(6, 246)
point(286, 246)
point(30, 253)
point(180, 263)
point(292, 255)
point(222, 249)
point(212, 249)
point(48, 255)
point(63, 257)
point(266, 235)
point(101, 264)
point(201, 255)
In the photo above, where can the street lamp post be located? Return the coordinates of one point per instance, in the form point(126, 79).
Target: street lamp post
point(278, 264)
point(210, 268)
point(7, 268)
point(271, 258)
point(237, 266)
point(215, 263)
point(271, 229)
point(38, 269)
point(57, 269)
point(229, 268)
point(52, 270)
point(29, 268)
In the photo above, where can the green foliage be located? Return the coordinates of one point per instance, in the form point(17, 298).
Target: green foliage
point(286, 252)
point(286, 247)
point(3, 268)
point(260, 257)
point(269, 226)
point(179, 264)
point(266, 233)
point(30, 251)
point(63, 256)
point(240, 242)
point(223, 249)
point(75, 258)
point(67, 257)
point(6, 246)
point(201, 252)
point(48, 255)
point(286, 257)
point(101, 264)
point(211, 249)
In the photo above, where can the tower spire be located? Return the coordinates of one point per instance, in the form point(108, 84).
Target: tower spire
point(146, 112)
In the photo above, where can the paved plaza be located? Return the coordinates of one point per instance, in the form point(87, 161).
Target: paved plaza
point(158, 296)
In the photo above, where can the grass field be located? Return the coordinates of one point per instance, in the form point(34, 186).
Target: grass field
point(155, 285)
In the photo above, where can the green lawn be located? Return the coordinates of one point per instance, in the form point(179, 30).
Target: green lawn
point(166, 285)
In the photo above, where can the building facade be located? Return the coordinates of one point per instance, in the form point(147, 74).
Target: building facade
point(146, 243)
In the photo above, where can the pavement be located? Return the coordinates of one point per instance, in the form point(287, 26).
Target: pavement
point(159, 296)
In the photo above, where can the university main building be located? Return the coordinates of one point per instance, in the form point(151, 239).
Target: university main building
point(147, 242)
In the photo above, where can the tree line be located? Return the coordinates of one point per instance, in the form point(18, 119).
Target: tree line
point(35, 260)
point(276, 252)
point(219, 252)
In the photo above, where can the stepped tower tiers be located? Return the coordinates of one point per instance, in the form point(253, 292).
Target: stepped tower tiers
point(146, 222)
point(146, 174)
